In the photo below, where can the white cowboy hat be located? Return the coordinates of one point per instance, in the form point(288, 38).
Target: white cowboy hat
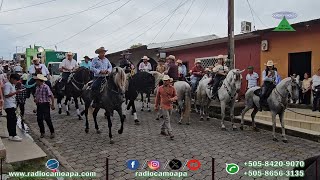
point(220, 57)
point(166, 78)
point(270, 63)
point(100, 50)
point(145, 58)
point(171, 79)
point(198, 61)
point(69, 54)
point(207, 69)
point(40, 77)
point(179, 61)
point(171, 57)
point(35, 59)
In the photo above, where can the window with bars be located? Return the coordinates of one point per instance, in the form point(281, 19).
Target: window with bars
point(209, 61)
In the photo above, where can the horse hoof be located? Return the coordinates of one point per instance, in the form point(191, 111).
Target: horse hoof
point(201, 119)
point(141, 109)
point(235, 129)
point(82, 113)
point(256, 129)
point(111, 141)
point(98, 131)
point(86, 130)
point(157, 119)
point(80, 118)
point(285, 141)
point(180, 122)
point(241, 128)
point(208, 119)
point(188, 123)
point(223, 129)
point(149, 110)
point(34, 111)
point(161, 117)
point(120, 131)
point(68, 114)
point(59, 111)
point(275, 139)
point(124, 117)
point(136, 122)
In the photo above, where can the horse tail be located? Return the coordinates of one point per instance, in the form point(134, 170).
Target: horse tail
point(187, 101)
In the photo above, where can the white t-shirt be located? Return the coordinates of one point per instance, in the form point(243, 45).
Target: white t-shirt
point(9, 102)
point(44, 69)
point(315, 81)
point(68, 64)
point(18, 68)
point(252, 79)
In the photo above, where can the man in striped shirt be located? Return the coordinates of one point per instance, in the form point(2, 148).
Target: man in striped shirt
point(43, 97)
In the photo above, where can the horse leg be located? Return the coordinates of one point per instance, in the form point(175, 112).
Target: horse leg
point(110, 126)
point(77, 107)
point(223, 113)
point(85, 112)
point(142, 101)
point(95, 113)
point(244, 111)
point(253, 115)
point(148, 102)
point(59, 99)
point(273, 114)
point(120, 131)
point(66, 103)
point(134, 111)
point(207, 111)
point(234, 127)
point(284, 139)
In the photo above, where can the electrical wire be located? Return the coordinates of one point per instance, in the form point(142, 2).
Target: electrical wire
point(254, 24)
point(104, 17)
point(154, 24)
point(205, 7)
point(24, 7)
point(213, 25)
point(181, 20)
point(258, 17)
point(61, 16)
point(1, 5)
point(125, 25)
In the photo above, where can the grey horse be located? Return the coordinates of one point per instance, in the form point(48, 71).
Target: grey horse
point(277, 102)
point(227, 93)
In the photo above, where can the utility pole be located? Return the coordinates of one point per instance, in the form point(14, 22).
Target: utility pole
point(231, 33)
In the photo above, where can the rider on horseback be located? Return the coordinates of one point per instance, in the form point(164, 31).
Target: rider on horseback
point(269, 76)
point(125, 62)
point(197, 73)
point(101, 68)
point(145, 66)
point(172, 68)
point(67, 66)
point(221, 72)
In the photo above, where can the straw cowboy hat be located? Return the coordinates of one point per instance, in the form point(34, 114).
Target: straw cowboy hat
point(198, 61)
point(171, 57)
point(206, 69)
point(40, 77)
point(69, 54)
point(125, 52)
point(270, 63)
point(35, 59)
point(101, 49)
point(220, 57)
point(145, 58)
point(166, 78)
point(86, 57)
point(161, 60)
point(179, 61)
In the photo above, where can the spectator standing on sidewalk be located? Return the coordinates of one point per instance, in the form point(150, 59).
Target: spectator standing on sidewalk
point(43, 98)
point(10, 106)
point(166, 95)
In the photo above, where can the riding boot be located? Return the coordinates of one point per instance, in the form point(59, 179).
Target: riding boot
point(262, 97)
point(95, 97)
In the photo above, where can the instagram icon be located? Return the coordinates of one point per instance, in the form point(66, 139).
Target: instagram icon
point(154, 165)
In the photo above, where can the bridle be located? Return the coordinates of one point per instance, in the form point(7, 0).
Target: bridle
point(74, 82)
point(283, 97)
point(228, 83)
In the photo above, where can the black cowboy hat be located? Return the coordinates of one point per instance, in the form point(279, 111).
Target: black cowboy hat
point(86, 57)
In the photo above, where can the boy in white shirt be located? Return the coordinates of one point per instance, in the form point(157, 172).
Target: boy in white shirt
point(252, 78)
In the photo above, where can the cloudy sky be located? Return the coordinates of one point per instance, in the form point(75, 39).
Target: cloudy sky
point(83, 25)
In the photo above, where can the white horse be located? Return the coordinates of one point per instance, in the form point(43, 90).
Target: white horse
point(230, 87)
point(277, 102)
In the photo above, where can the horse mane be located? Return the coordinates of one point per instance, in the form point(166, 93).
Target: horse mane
point(119, 78)
point(157, 76)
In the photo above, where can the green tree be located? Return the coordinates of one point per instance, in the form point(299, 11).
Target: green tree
point(136, 45)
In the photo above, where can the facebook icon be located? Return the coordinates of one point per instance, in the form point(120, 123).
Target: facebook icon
point(133, 164)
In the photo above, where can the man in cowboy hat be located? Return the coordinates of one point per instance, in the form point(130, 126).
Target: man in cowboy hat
point(221, 72)
point(269, 77)
point(166, 96)
point(86, 63)
point(182, 70)
point(172, 70)
point(145, 66)
point(67, 66)
point(125, 62)
point(43, 99)
point(17, 68)
point(37, 68)
point(101, 67)
point(196, 75)
point(161, 67)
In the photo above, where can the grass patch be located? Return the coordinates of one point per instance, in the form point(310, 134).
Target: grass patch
point(31, 166)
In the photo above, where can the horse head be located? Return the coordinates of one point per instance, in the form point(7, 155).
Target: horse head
point(234, 77)
point(82, 75)
point(119, 78)
point(157, 77)
point(293, 88)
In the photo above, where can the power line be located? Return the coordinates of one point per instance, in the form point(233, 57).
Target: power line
point(212, 28)
point(182, 20)
point(205, 7)
point(70, 37)
point(156, 23)
point(258, 16)
point(56, 17)
point(125, 25)
point(254, 24)
point(1, 5)
point(24, 7)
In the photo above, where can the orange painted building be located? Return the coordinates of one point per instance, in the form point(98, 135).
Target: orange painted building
point(293, 52)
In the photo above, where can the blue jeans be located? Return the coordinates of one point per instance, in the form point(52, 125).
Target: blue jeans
point(96, 85)
point(194, 82)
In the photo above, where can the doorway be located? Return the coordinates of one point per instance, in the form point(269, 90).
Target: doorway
point(299, 63)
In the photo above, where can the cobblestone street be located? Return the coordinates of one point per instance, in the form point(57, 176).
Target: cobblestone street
point(200, 140)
